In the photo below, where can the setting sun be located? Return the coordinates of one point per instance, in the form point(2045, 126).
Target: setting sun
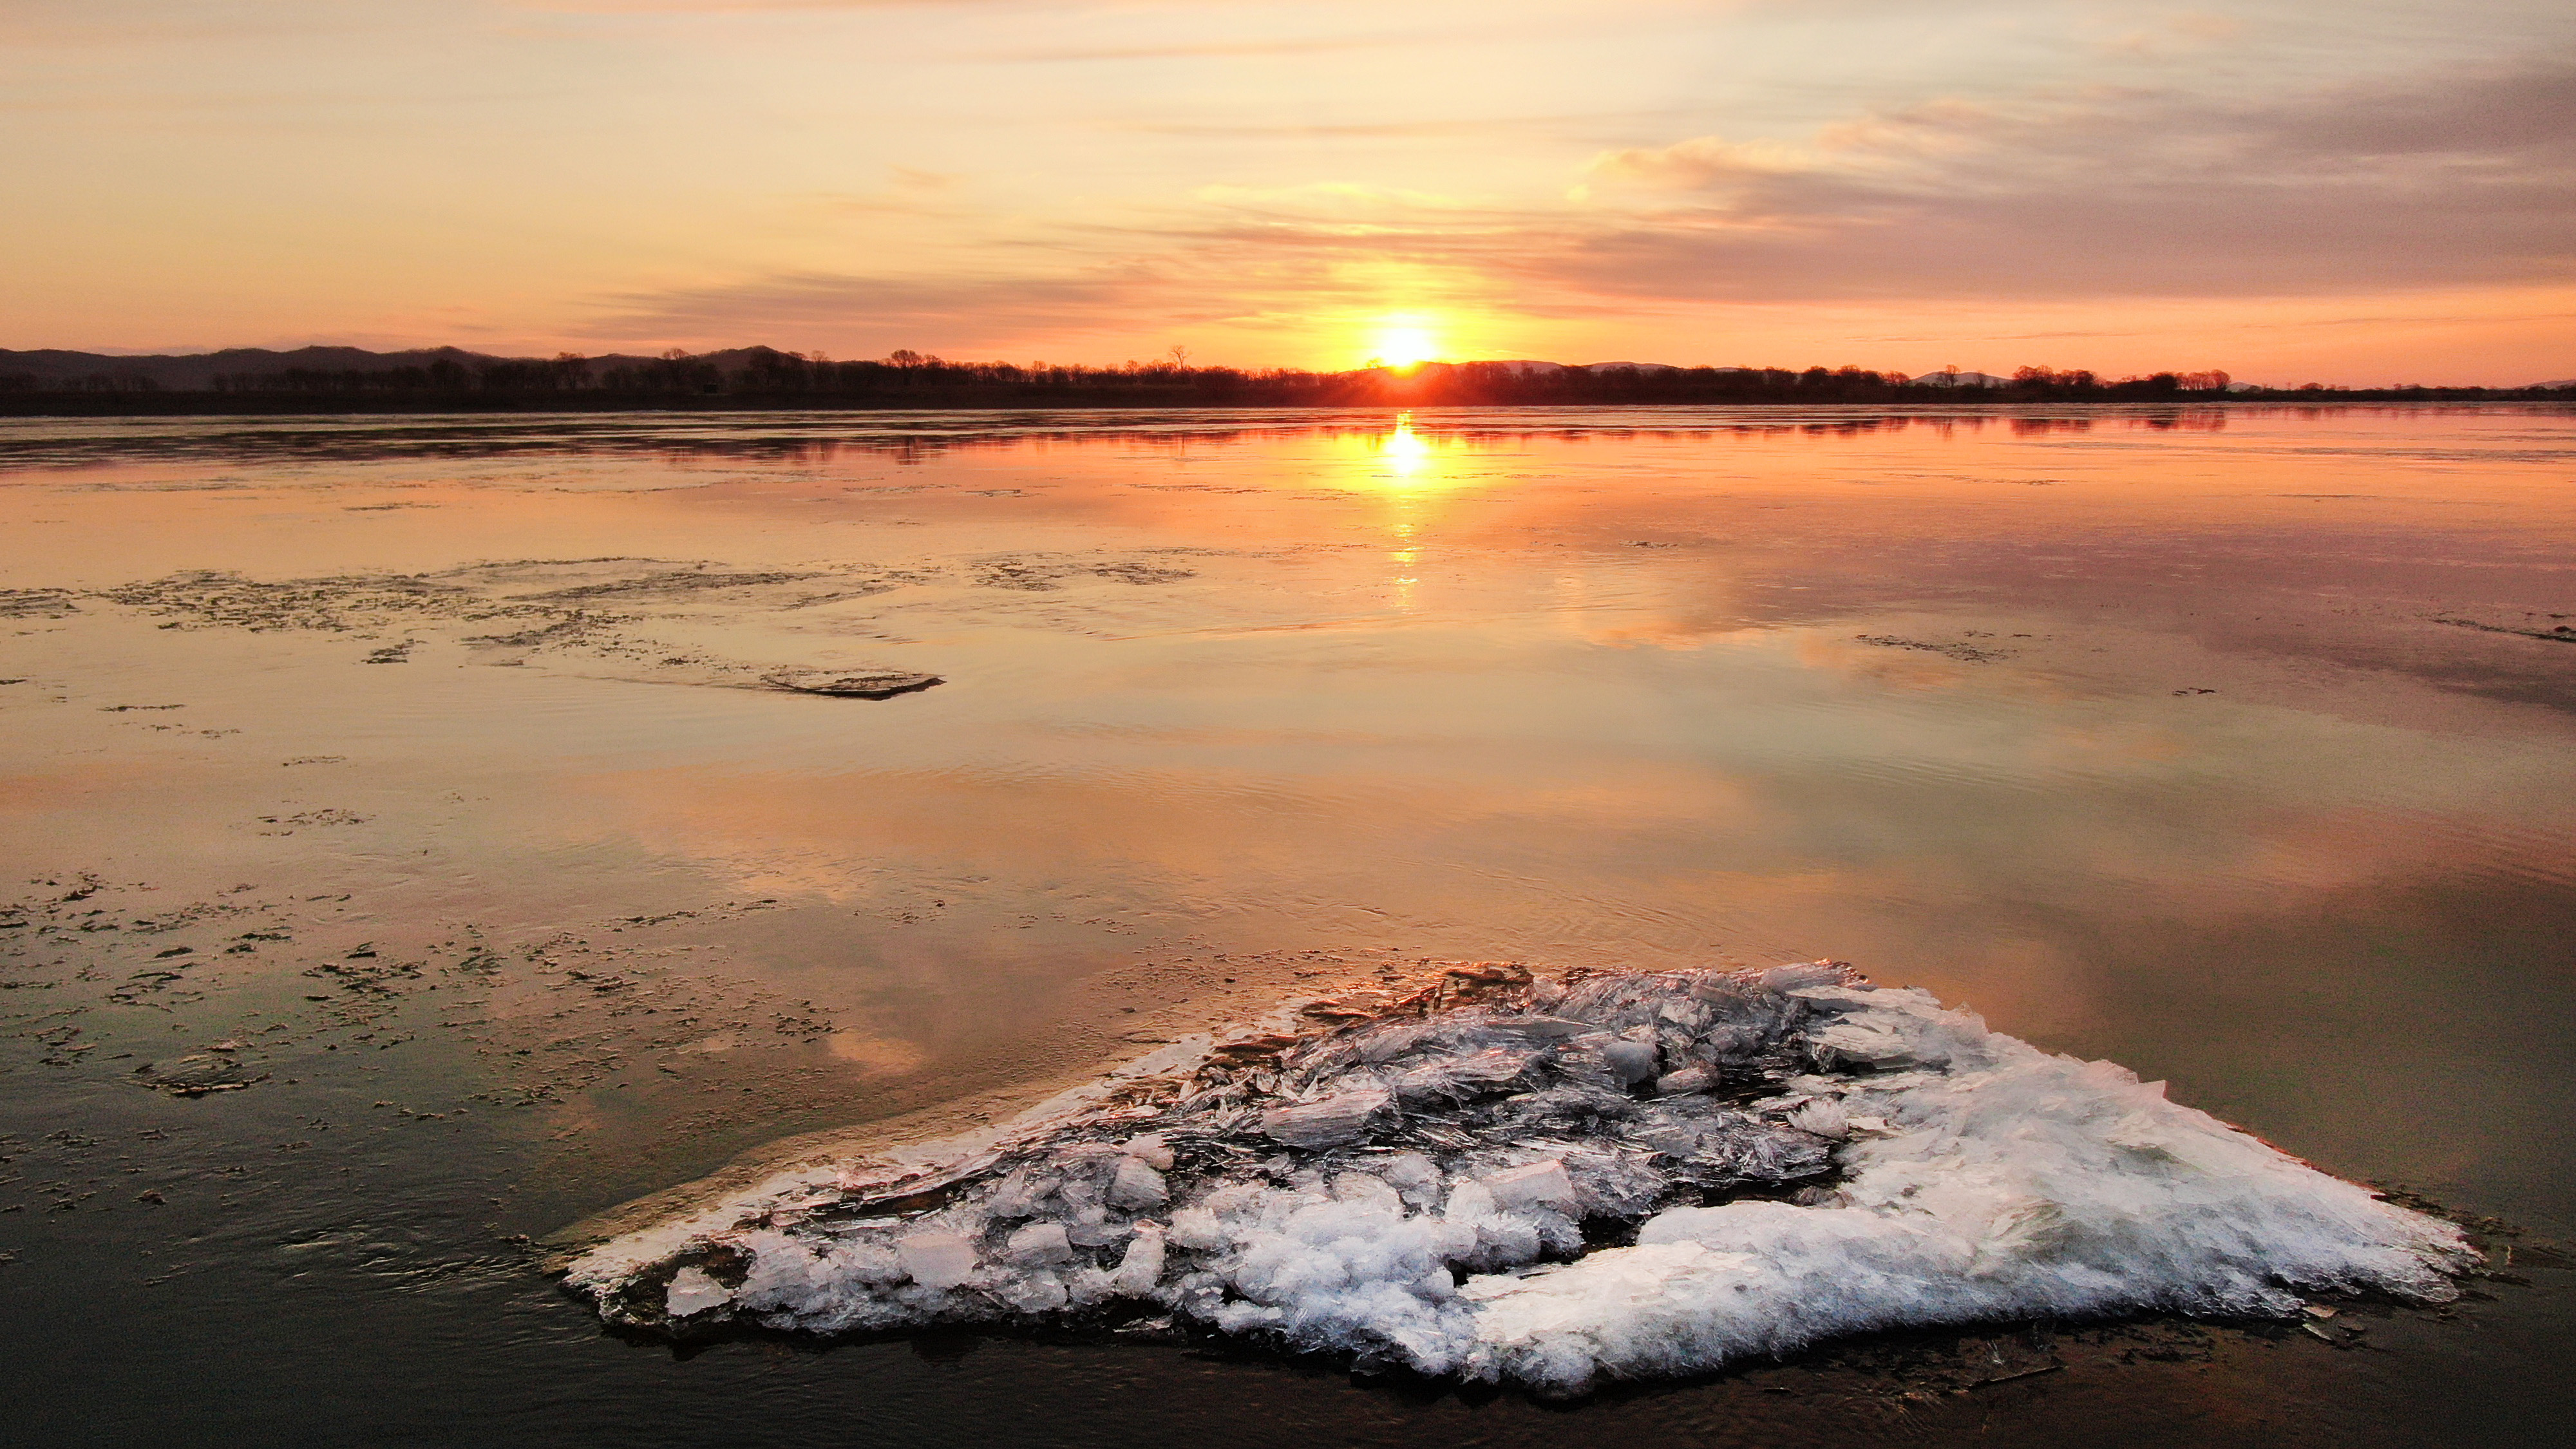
point(1403, 342)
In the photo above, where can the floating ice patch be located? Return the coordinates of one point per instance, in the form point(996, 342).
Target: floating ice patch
point(1775, 1158)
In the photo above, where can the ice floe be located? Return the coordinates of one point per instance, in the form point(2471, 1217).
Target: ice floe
point(1501, 1178)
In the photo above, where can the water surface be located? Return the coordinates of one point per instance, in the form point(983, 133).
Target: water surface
point(2231, 745)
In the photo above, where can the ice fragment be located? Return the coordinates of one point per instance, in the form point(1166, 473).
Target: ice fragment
point(1039, 1244)
point(1136, 1186)
point(1342, 1117)
point(1539, 1184)
point(1824, 1117)
point(1630, 1061)
point(1150, 1149)
point(1142, 1267)
point(1682, 1083)
point(936, 1260)
point(1412, 1174)
point(693, 1291)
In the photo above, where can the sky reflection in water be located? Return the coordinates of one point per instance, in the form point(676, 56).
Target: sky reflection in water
point(2226, 746)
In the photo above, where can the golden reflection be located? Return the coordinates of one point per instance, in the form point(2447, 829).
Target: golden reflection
point(1405, 452)
point(1398, 460)
point(1410, 463)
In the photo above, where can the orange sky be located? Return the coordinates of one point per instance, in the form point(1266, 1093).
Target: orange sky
point(2359, 191)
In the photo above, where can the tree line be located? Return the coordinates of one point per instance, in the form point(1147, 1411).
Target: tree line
point(767, 377)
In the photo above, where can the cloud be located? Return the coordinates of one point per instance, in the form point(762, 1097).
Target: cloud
point(1484, 127)
point(729, 7)
point(2187, 30)
point(110, 24)
point(2442, 180)
point(1699, 164)
point(2446, 181)
point(1335, 203)
point(1216, 49)
point(1243, 258)
point(899, 311)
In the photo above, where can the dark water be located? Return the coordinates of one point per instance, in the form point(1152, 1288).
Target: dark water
point(2231, 746)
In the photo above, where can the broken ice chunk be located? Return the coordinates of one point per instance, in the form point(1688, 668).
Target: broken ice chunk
point(1361, 1187)
point(1613, 1184)
point(1804, 973)
point(1150, 1149)
point(692, 1291)
point(1039, 1244)
point(1091, 1228)
point(1538, 1028)
point(1839, 998)
point(1032, 1292)
point(1539, 1184)
point(1733, 1042)
point(1142, 1267)
point(1234, 1198)
point(1137, 1186)
point(1386, 1043)
point(1571, 1107)
point(861, 684)
point(1198, 1230)
point(936, 1260)
point(1630, 1061)
point(1877, 1040)
point(1495, 1069)
point(1682, 1083)
point(1823, 1116)
point(1084, 1287)
point(1411, 1174)
point(1339, 1118)
point(1020, 1195)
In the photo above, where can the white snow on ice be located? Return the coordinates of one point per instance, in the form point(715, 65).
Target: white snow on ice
point(1801, 1156)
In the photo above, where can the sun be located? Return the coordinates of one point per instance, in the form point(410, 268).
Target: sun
point(1402, 342)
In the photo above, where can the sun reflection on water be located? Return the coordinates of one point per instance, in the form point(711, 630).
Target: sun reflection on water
point(1410, 463)
point(1406, 452)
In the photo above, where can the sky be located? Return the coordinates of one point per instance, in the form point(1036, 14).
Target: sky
point(2345, 191)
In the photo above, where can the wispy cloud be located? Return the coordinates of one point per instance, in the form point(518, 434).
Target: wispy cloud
point(1481, 128)
point(2443, 181)
point(734, 7)
point(951, 311)
point(1215, 49)
point(2437, 180)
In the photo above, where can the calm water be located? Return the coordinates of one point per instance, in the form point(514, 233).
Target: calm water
point(411, 781)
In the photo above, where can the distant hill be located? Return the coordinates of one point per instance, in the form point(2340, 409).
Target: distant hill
point(198, 371)
point(195, 372)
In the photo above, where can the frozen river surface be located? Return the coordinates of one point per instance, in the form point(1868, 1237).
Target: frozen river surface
point(414, 845)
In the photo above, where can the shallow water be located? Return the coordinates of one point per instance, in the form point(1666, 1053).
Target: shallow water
point(2231, 746)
